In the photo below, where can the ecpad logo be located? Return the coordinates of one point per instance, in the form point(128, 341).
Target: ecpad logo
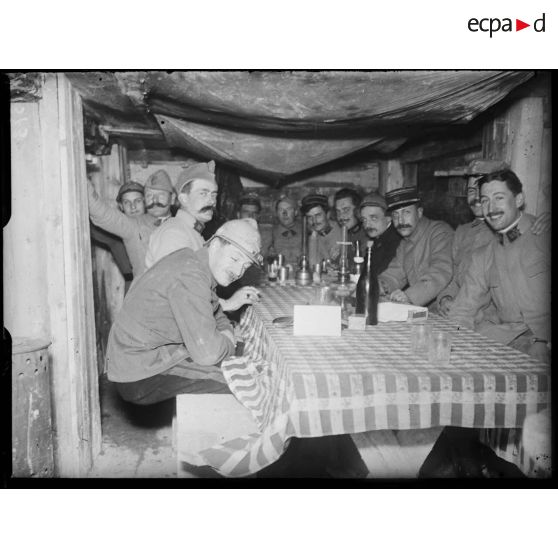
point(493, 25)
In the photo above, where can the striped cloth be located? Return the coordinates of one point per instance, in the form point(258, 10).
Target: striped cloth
point(365, 380)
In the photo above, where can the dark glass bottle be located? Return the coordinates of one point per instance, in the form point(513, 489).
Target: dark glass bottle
point(357, 259)
point(368, 291)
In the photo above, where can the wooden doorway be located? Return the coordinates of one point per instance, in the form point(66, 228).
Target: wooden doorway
point(47, 262)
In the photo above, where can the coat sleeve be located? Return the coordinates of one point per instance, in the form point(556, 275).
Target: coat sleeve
point(223, 323)
point(394, 277)
point(200, 327)
point(474, 293)
point(538, 315)
point(107, 217)
point(116, 247)
point(452, 288)
point(439, 273)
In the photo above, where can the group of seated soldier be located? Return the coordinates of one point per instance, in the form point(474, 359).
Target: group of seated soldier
point(172, 333)
point(491, 275)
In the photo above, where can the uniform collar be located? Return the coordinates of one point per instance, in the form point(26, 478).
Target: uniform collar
point(185, 217)
point(158, 221)
point(326, 231)
point(514, 231)
point(288, 232)
point(355, 229)
point(512, 226)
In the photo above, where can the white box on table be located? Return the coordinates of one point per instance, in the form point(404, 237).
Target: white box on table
point(399, 312)
point(316, 319)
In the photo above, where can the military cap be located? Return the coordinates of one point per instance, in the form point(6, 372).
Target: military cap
point(401, 197)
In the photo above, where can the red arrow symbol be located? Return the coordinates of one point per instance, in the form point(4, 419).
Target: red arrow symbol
point(519, 25)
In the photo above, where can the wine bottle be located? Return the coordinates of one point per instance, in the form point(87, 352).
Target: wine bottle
point(358, 259)
point(368, 292)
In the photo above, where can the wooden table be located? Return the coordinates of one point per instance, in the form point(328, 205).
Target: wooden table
point(366, 381)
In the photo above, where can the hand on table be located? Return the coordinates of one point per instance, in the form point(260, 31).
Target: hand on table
point(399, 296)
point(444, 306)
point(245, 295)
point(384, 290)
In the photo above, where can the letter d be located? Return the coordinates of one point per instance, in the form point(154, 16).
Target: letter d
point(535, 25)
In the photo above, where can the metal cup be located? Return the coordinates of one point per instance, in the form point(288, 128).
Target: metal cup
point(317, 273)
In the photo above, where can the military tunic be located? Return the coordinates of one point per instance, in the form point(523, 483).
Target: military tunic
point(171, 317)
point(422, 262)
point(135, 231)
point(515, 276)
point(175, 233)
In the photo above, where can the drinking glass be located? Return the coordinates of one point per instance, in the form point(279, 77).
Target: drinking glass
point(322, 295)
point(439, 348)
point(420, 339)
point(283, 274)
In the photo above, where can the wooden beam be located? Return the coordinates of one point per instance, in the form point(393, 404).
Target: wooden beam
point(26, 310)
point(69, 279)
point(520, 138)
point(526, 148)
point(109, 283)
point(458, 171)
point(440, 148)
point(131, 132)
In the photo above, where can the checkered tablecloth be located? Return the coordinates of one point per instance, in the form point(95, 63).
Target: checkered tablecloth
point(365, 380)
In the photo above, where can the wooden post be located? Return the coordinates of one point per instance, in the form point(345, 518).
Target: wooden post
point(51, 279)
point(109, 283)
point(391, 175)
point(519, 136)
point(26, 311)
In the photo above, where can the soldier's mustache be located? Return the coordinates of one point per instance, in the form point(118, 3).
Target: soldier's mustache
point(403, 227)
point(207, 208)
point(155, 204)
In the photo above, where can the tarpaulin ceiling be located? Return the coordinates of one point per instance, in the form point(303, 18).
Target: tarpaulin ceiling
point(252, 152)
point(281, 123)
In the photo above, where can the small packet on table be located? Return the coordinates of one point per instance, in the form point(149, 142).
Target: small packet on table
point(399, 312)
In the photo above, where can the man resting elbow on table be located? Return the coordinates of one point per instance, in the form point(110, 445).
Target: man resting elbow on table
point(171, 334)
point(512, 272)
point(475, 235)
point(422, 265)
